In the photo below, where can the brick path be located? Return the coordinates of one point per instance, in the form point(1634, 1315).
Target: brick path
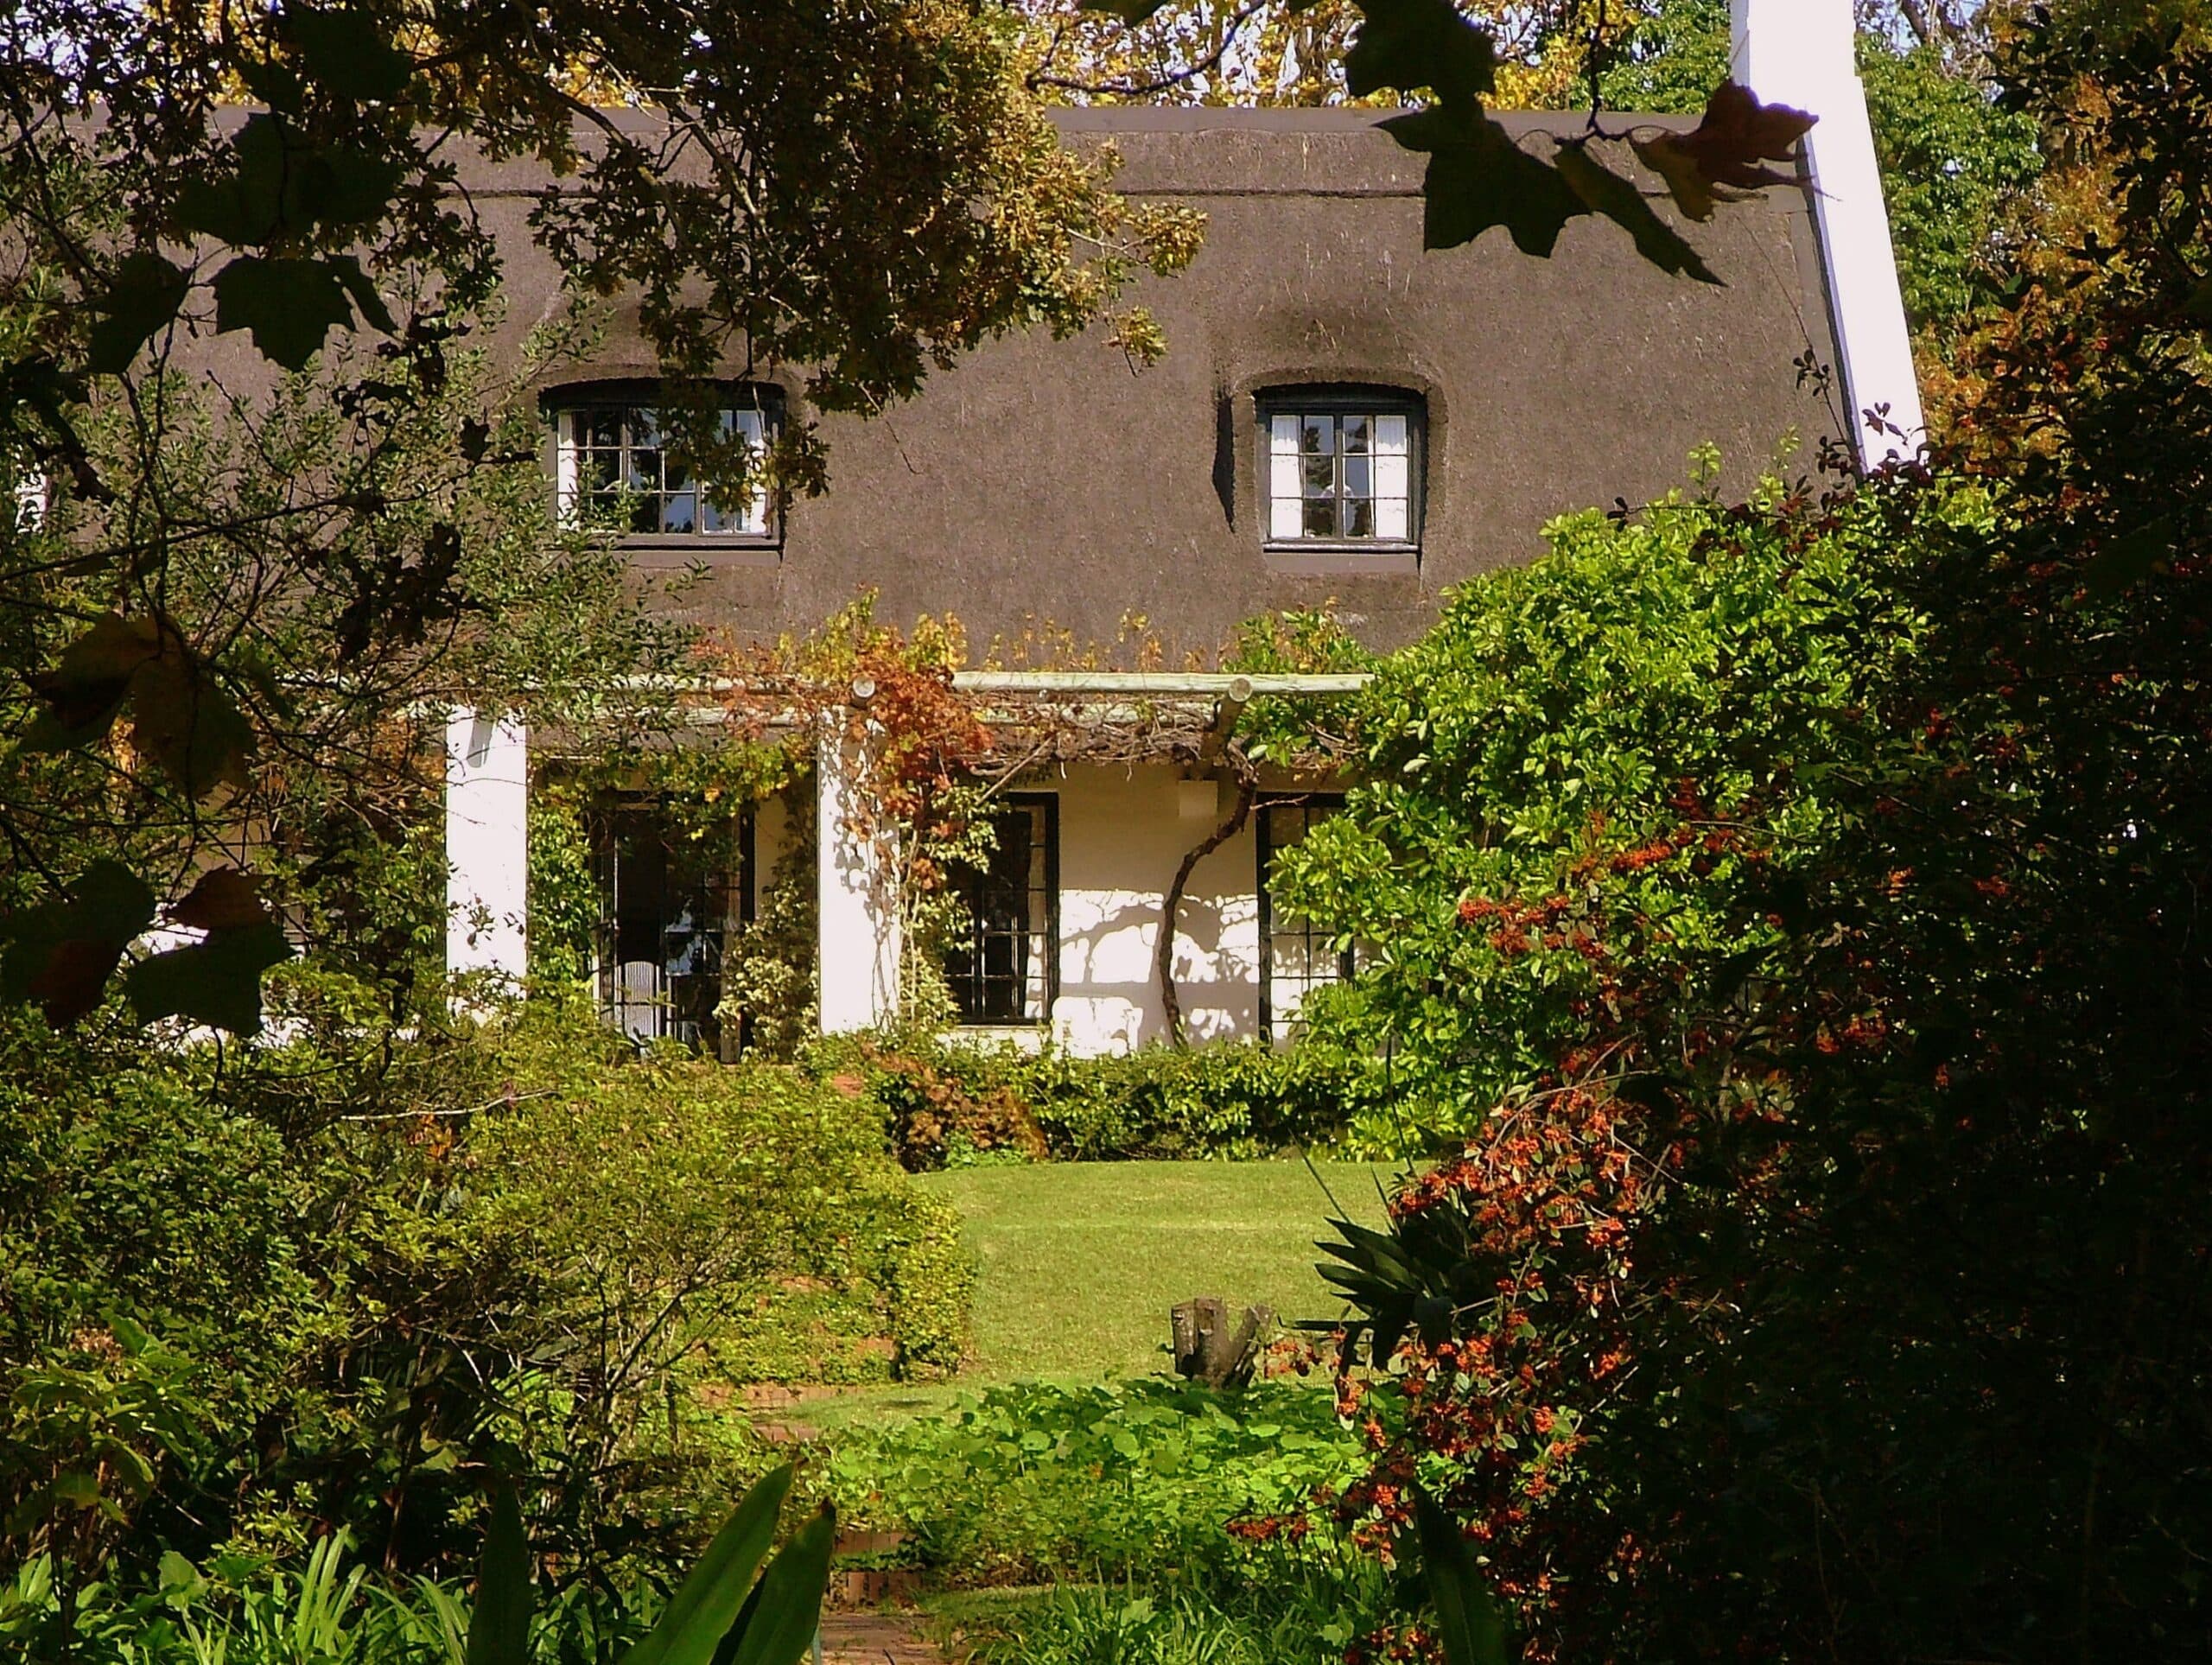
point(873, 1639)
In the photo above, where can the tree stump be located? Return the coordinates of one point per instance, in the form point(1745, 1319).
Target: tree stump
point(1207, 1349)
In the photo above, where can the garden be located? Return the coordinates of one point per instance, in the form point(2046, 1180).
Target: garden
point(1751, 1200)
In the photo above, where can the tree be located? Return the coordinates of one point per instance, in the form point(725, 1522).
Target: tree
point(1794, 903)
point(236, 597)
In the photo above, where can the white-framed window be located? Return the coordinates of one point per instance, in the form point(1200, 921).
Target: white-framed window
point(1295, 956)
point(30, 502)
point(1341, 467)
point(614, 465)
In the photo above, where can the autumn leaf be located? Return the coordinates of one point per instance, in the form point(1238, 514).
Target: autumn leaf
point(59, 956)
point(180, 716)
point(223, 900)
point(142, 298)
point(217, 983)
point(88, 683)
point(1410, 44)
point(1722, 158)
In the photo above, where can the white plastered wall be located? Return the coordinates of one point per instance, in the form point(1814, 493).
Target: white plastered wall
point(487, 844)
point(1122, 834)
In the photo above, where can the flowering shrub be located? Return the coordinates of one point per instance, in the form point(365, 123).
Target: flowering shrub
point(1789, 917)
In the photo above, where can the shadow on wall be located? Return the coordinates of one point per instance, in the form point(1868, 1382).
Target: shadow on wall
point(1103, 1007)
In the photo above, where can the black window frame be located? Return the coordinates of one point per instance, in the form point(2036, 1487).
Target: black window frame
point(1264, 841)
point(966, 989)
point(1336, 401)
point(576, 399)
point(695, 1006)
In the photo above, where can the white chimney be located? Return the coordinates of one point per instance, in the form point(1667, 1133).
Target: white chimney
point(1799, 52)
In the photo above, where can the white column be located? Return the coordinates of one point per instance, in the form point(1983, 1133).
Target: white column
point(487, 844)
point(857, 960)
point(1799, 52)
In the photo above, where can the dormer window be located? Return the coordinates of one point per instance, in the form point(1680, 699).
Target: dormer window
point(1341, 469)
point(616, 466)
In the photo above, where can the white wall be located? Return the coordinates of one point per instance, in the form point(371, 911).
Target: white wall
point(1123, 835)
point(487, 844)
point(857, 979)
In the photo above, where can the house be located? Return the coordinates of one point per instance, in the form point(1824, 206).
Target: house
point(1341, 417)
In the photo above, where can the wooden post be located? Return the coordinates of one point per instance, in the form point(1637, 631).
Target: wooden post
point(1207, 1349)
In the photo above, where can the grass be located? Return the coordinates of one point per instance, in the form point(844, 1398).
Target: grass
point(1080, 1261)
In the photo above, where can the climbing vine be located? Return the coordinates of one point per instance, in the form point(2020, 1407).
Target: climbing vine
point(927, 760)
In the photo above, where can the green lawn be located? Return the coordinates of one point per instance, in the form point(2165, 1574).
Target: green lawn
point(1079, 1262)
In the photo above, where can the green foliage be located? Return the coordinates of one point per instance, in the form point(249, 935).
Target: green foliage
point(1797, 937)
point(718, 1612)
point(1953, 160)
point(1555, 719)
point(241, 1611)
point(1045, 1480)
point(245, 1293)
point(1295, 1610)
point(1237, 1100)
point(949, 1104)
point(769, 969)
point(564, 901)
point(1954, 163)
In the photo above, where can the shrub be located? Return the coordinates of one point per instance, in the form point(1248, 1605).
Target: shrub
point(1285, 1610)
point(152, 1288)
point(1043, 1480)
point(949, 1104)
point(1792, 904)
point(292, 1286)
point(1242, 1099)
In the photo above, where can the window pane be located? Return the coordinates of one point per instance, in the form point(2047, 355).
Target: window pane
point(1296, 959)
point(748, 514)
point(1000, 972)
point(665, 901)
point(1353, 476)
point(607, 450)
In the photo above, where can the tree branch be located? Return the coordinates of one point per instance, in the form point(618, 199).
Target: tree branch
point(1170, 906)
